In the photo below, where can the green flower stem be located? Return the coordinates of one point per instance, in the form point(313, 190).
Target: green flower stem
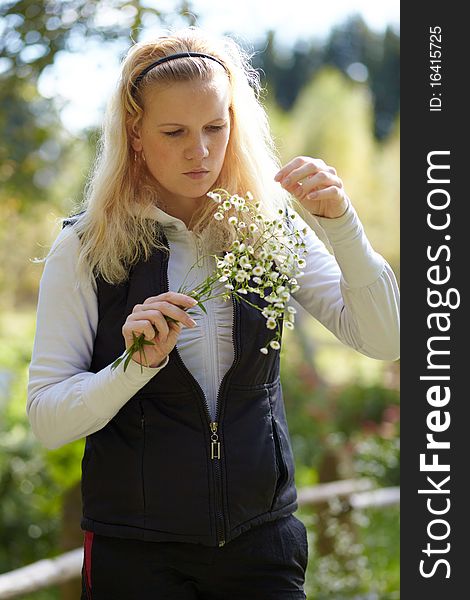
point(201, 293)
point(137, 346)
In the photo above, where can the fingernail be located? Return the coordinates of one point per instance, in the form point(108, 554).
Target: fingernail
point(194, 301)
point(277, 177)
point(193, 323)
point(312, 195)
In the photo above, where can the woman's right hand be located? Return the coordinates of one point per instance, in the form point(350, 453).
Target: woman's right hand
point(149, 318)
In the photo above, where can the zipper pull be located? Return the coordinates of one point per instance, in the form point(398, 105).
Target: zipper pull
point(215, 444)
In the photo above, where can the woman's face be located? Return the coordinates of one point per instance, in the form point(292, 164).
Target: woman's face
point(185, 128)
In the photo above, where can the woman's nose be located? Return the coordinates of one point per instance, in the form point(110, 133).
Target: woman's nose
point(197, 149)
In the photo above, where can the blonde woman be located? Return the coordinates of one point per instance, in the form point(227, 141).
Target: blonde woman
point(164, 515)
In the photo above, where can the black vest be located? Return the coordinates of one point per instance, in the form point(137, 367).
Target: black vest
point(160, 470)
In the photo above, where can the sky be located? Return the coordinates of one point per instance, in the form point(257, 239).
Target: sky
point(82, 81)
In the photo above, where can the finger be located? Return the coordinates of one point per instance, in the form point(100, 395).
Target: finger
point(174, 297)
point(320, 181)
point(156, 318)
point(137, 308)
point(301, 173)
point(328, 193)
point(296, 162)
point(170, 310)
point(306, 164)
point(175, 326)
point(137, 327)
point(330, 202)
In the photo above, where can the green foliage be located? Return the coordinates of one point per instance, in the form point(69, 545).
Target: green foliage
point(52, 593)
point(34, 31)
point(32, 479)
point(359, 423)
point(378, 458)
point(365, 563)
point(31, 148)
point(348, 431)
point(358, 407)
point(29, 498)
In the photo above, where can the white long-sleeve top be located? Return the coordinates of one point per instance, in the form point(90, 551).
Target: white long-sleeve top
point(353, 293)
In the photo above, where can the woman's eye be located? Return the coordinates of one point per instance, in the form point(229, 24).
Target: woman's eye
point(212, 128)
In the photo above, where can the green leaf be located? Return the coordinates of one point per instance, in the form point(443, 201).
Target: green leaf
point(117, 362)
point(129, 353)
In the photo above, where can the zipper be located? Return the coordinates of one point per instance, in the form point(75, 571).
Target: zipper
point(213, 425)
point(283, 472)
point(211, 326)
point(142, 426)
point(215, 440)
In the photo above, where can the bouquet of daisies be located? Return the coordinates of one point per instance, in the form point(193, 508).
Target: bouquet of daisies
point(266, 258)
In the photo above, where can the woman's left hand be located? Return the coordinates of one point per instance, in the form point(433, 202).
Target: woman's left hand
point(316, 185)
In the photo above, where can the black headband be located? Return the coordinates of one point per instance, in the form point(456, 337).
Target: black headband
point(172, 57)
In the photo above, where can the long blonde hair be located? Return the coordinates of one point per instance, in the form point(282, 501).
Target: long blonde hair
point(115, 228)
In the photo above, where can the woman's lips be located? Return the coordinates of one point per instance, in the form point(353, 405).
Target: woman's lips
point(197, 175)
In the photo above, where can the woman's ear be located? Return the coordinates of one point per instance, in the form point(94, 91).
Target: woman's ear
point(135, 136)
point(136, 143)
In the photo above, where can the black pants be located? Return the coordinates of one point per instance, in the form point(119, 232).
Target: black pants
point(267, 562)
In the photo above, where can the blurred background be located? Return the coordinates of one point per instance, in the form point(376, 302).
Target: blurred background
point(331, 77)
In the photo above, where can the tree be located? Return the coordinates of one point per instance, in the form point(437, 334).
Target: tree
point(353, 42)
point(349, 44)
point(35, 30)
point(32, 32)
